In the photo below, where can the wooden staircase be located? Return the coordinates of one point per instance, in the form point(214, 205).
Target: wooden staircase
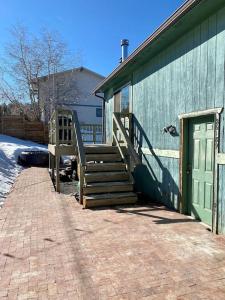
point(106, 178)
point(105, 171)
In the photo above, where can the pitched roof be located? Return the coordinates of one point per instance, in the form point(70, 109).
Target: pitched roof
point(73, 70)
point(172, 20)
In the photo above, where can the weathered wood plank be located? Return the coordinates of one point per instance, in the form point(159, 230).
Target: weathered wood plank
point(106, 176)
point(108, 187)
point(108, 202)
point(100, 149)
point(161, 152)
point(203, 66)
point(104, 167)
point(103, 157)
point(211, 62)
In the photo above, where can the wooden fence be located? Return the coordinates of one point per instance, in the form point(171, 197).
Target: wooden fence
point(17, 126)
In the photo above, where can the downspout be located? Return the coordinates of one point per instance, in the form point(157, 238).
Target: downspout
point(103, 117)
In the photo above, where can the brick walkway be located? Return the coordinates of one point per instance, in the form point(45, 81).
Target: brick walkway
point(52, 249)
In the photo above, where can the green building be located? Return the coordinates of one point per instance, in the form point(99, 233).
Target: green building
point(173, 86)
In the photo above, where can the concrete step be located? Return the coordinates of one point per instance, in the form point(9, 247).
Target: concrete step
point(108, 187)
point(103, 157)
point(106, 176)
point(104, 167)
point(109, 199)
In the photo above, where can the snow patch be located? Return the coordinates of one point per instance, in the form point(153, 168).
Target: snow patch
point(10, 149)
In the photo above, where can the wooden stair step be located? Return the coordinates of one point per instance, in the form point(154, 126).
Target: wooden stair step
point(95, 149)
point(110, 196)
point(103, 157)
point(106, 176)
point(108, 187)
point(102, 167)
point(109, 199)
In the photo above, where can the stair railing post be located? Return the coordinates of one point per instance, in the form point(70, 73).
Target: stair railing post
point(81, 178)
point(131, 158)
point(94, 134)
point(56, 128)
point(114, 131)
point(80, 153)
point(57, 162)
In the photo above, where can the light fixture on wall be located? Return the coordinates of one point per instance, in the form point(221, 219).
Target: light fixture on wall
point(170, 129)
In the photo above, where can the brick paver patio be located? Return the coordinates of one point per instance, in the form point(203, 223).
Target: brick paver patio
point(52, 249)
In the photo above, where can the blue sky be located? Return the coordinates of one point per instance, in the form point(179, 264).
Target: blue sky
point(92, 27)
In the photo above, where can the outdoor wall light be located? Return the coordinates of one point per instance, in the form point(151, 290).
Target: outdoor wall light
point(170, 129)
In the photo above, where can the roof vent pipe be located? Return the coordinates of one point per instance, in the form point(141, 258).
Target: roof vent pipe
point(124, 47)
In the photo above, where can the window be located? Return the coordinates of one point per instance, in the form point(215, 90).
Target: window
point(124, 104)
point(99, 112)
point(121, 100)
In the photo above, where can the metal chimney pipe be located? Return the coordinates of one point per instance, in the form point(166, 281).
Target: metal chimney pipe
point(124, 47)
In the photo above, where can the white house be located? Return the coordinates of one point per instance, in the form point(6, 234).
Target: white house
point(72, 89)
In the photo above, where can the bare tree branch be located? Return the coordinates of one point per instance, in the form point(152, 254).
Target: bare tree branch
point(27, 58)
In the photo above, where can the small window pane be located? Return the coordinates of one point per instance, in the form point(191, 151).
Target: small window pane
point(125, 99)
point(98, 112)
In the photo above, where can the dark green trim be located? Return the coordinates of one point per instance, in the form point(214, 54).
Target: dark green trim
point(184, 158)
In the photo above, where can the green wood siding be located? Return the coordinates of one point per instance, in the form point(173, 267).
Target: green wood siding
point(159, 179)
point(187, 76)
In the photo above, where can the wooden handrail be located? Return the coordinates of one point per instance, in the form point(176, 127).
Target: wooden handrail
point(134, 156)
point(80, 152)
point(65, 131)
point(78, 139)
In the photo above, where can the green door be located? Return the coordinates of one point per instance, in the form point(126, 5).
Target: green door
point(201, 168)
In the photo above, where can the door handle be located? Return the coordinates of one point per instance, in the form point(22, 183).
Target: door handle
point(188, 171)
